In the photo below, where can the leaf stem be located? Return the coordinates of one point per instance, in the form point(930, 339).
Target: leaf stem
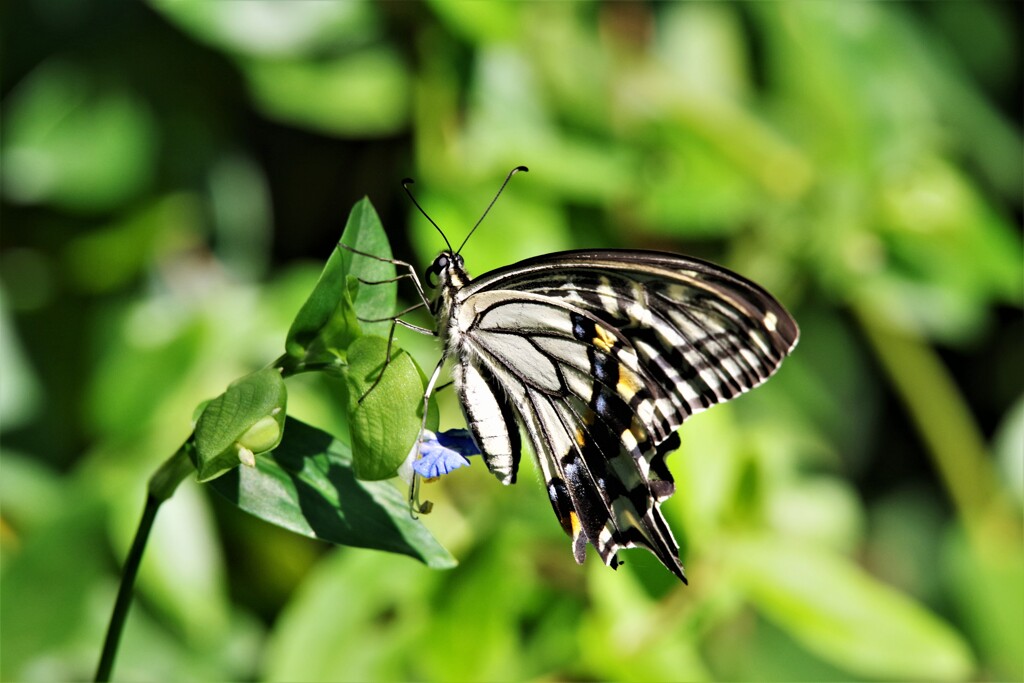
point(942, 417)
point(289, 365)
point(161, 485)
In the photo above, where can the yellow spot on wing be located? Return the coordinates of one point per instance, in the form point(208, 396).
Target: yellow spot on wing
point(628, 384)
point(637, 427)
point(603, 339)
point(574, 523)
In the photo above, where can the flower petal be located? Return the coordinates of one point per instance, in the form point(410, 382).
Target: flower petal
point(435, 455)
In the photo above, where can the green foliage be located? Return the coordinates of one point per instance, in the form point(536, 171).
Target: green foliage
point(372, 294)
point(246, 419)
point(165, 174)
point(365, 93)
point(358, 284)
point(845, 616)
point(308, 485)
point(326, 323)
point(384, 419)
point(77, 143)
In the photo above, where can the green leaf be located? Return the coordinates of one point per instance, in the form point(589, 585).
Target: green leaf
point(844, 615)
point(74, 142)
point(274, 30)
point(50, 581)
point(307, 485)
point(986, 586)
point(246, 419)
point(386, 424)
point(326, 323)
point(313, 640)
point(366, 92)
point(479, 22)
point(364, 233)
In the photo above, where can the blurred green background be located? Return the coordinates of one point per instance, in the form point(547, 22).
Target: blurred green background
point(175, 173)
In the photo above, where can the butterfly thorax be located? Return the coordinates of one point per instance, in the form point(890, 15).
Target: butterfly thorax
point(448, 274)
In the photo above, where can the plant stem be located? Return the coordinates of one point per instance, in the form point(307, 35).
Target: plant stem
point(124, 593)
point(161, 486)
point(942, 418)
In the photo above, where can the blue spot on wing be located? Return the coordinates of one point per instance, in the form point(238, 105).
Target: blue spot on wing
point(460, 441)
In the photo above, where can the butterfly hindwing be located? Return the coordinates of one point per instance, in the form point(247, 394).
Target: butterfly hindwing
point(490, 419)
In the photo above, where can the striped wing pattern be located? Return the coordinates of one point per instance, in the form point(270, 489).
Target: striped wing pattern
point(599, 357)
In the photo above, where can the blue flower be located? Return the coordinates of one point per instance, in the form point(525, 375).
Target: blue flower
point(441, 453)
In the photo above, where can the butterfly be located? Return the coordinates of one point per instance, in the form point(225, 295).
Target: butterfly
point(598, 357)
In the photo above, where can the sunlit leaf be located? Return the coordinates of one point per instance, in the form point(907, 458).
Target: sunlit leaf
point(20, 390)
point(48, 583)
point(986, 583)
point(182, 579)
point(133, 379)
point(538, 227)
point(479, 21)
point(314, 640)
point(70, 142)
point(246, 419)
point(364, 93)
point(374, 296)
point(327, 323)
point(845, 616)
point(386, 422)
point(307, 485)
point(270, 29)
point(621, 637)
point(1008, 445)
point(127, 247)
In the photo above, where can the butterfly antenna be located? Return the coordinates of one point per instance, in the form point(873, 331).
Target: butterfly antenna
point(511, 173)
point(406, 182)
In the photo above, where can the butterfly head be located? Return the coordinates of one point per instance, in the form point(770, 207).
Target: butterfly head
point(447, 271)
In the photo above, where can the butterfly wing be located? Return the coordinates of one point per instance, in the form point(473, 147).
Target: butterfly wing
point(600, 356)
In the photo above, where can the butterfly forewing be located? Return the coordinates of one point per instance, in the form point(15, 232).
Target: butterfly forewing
point(600, 356)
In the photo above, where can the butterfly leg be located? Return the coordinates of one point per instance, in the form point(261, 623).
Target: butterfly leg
point(395, 319)
point(395, 262)
point(414, 485)
point(391, 336)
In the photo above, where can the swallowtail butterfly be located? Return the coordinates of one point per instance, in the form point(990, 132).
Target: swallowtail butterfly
point(598, 357)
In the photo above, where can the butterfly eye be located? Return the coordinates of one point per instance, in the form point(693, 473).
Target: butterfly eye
point(439, 264)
